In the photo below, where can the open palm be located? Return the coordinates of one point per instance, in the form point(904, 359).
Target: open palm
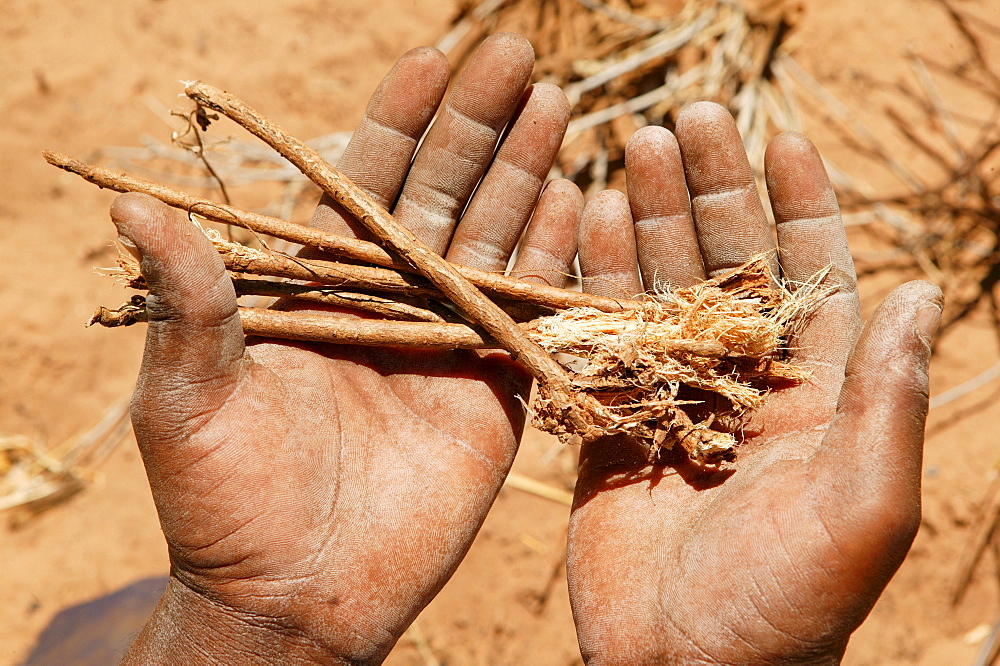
point(324, 494)
point(781, 559)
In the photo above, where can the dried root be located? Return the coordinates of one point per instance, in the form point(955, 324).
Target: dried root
point(654, 368)
point(663, 372)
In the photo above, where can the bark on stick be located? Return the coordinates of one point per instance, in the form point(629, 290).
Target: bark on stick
point(321, 327)
point(313, 327)
point(384, 307)
point(396, 236)
point(350, 248)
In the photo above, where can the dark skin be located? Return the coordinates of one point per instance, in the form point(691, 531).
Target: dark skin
point(315, 498)
point(779, 561)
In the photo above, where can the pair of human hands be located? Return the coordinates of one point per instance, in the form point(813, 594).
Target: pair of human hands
point(315, 498)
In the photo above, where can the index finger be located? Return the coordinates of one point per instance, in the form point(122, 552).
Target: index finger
point(460, 144)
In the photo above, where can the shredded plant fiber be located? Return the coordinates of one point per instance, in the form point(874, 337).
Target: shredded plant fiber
point(658, 371)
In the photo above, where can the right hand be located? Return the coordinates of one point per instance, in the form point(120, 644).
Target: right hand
point(782, 560)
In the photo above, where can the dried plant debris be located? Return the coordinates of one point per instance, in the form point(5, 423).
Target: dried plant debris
point(666, 371)
point(33, 479)
point(625, 64)
point(662, 370)
point(937, 148)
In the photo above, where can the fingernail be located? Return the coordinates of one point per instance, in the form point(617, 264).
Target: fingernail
point(927, 320)
point(127, 243)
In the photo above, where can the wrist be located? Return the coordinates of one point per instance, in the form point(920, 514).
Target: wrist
point(187, 628)
point(677, 649)
point(811, 660)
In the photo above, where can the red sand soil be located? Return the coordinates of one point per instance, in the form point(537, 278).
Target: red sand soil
point(79, 75)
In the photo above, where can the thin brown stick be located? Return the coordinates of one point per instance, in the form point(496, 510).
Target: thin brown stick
point(403, 241)
point(343, 246)
point(243, 260)
point(239, 259)
point(313, 327)
point(194, 119)
point(351, 248)
point(318, 327)
point(383, 307)
point(258, 262)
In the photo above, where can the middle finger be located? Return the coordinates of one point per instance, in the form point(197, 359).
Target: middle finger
point(728, 213)
point(459, 146)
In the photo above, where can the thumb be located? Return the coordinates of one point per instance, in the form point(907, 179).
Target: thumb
point(872, 453)
point(194, 340)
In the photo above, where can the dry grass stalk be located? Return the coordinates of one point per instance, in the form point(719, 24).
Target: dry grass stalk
point(536, 487)
point(983, 533)
point(33, 480)
point(423, 646)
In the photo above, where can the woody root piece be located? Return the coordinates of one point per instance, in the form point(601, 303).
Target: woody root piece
point(668, 369)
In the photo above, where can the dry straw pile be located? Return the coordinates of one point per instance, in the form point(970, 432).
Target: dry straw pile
point(625, 65)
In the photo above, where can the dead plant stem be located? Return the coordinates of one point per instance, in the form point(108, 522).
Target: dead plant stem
point(350, 248)
point(322, 327)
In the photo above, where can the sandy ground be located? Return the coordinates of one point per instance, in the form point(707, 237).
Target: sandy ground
point(78, 75)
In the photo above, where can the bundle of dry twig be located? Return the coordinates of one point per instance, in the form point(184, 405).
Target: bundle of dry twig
point(651, 366)
point(629, 63)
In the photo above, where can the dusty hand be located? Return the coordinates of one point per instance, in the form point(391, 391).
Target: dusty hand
point(315, 498)
point(781, 560)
